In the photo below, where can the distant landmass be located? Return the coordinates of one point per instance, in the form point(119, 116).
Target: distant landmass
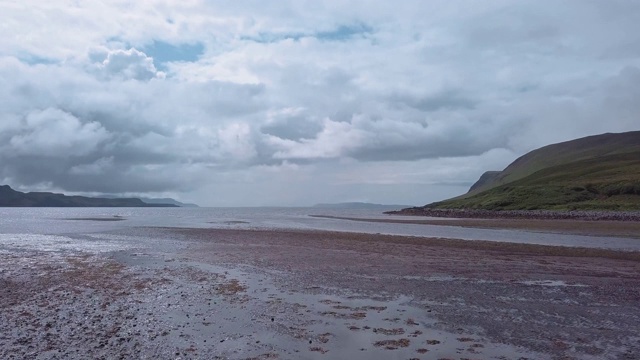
point(167, 201)
point(358, 205)
point(13, 198)
point(600, 172)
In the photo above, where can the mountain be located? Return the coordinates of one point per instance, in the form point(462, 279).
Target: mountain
point(600, 172)
point(13, 198)
point(356, 205)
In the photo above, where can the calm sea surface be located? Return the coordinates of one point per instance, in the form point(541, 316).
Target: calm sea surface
point(63, 221)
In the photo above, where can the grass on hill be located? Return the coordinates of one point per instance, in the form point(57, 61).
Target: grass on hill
point(610, 182)
point(563, 154)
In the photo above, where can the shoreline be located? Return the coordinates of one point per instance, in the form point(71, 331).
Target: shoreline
point(596, 215)
point(624, 229)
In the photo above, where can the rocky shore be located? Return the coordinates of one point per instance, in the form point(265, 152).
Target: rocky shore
point(521, 214)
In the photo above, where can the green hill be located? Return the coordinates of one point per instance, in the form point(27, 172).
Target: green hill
point(600, 172)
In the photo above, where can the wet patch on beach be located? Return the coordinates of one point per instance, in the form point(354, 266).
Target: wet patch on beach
point(257, 317)
point(229, 222)
point(60, 244)
point(112, 218)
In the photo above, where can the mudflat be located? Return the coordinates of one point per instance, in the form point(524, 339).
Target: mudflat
point(168, 293)
point(629, 229)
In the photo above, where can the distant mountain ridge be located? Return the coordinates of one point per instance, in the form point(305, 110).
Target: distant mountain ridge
point(600, 172)
point(12, 198)
point(156, 201)
point(167, 201)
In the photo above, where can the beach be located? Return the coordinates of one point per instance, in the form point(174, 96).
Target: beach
point(187, 293)
point(617, 228)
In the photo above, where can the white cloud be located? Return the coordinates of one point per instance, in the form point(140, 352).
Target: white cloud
point(130, 64)
point(350, 97)
point(236, 143)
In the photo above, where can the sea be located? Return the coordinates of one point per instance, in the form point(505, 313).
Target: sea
point(17, 223)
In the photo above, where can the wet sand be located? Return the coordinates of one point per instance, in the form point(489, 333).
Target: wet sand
point(629, 229)
point(241, 294)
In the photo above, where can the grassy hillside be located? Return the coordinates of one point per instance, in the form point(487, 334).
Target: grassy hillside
point(591, 147)
point(595, 173)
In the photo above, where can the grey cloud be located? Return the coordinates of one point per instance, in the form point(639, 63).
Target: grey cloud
point(78, 133)
point(97, 167)
point(228, 99)
point(418, 141)
point(508, 27)
point(34, 170)
point(293, 127)
point(115, 166)
point(368, 139)
point(54, 133)
point(443, 100)
point(428, 149)
point(629, 49)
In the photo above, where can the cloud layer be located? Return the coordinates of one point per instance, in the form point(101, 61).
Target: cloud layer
point(302, 102)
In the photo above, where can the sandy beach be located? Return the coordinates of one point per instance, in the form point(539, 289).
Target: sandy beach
point(170, 293)
point(629, 229)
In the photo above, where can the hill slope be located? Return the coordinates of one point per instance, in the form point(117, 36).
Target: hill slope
point(600, 172)
point(13, 198)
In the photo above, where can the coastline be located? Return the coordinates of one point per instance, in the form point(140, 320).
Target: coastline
point(623, 229)
point(275, 294)
point(599, 215)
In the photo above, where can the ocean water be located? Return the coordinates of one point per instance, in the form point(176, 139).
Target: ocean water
point(24, 223)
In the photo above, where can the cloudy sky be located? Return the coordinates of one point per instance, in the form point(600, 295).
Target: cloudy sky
point(244, 103)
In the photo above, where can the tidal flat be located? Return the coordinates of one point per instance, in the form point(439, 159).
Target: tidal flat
point(169, 293)
point(622, 229)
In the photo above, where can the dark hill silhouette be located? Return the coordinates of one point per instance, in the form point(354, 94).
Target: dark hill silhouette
point(13, 198)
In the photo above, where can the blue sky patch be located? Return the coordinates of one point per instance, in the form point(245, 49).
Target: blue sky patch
point(36, 60)
point(267, 37)
point(340, 33)
point(163, 52)
point(344, 32)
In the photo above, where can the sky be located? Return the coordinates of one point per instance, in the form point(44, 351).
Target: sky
point(292, 103)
